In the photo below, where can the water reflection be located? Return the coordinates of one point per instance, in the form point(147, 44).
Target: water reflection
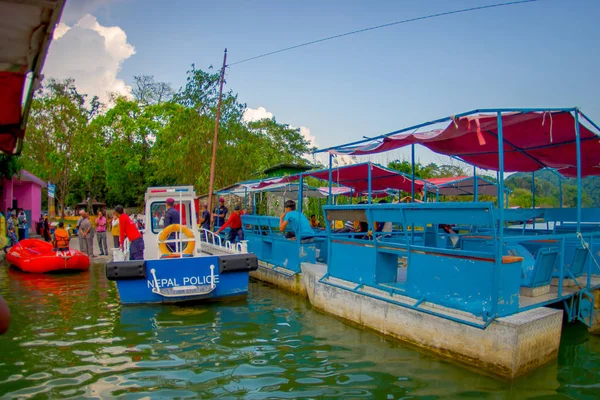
point(70, 339)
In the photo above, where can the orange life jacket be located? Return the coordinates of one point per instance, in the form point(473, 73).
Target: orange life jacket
point(61, 238)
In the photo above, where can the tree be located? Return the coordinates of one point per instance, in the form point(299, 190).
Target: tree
point(57, 135)
point(9, 166)
point(147, 91)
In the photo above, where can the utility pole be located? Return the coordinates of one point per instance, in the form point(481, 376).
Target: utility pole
point(214, 149)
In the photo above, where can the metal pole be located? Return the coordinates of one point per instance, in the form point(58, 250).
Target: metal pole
point(330, 178)
point(579, 191)
point(533, 189)
point(370, 181)
point(560, 194)
point(412, 184)
point(214, 149)
point(475, 185)
point(300, 201)
point(500, 243)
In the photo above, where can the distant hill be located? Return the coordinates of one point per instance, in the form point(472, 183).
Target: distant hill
point(547, 190)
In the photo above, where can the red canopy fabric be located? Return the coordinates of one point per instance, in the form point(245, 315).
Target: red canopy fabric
point(462, 185)
point(356, 177)
point(532, 141)
point(26, 29)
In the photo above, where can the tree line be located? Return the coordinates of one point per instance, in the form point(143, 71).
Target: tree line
point(158, 136)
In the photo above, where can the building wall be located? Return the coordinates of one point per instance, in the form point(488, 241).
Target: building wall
point(28, 196)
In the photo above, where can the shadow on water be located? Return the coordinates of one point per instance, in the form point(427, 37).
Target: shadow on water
point(70, 338)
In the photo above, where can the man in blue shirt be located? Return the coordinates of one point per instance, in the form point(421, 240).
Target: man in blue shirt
point(205, 221)
point(220, 214)
point(172, 215)
point(296, 221)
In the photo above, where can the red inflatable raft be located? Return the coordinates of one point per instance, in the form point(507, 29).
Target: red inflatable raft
point(37, 256)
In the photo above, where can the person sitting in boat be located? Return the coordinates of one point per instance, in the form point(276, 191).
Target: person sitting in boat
point(299, 223)
point(235, 225)
point(61, 238)
point(128, 229)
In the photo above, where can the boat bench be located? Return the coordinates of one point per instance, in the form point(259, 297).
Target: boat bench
point(270, 245)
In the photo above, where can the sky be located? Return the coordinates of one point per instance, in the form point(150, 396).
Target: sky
point(542, 54)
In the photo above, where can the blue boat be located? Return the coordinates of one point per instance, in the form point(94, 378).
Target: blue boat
point(475, 281)
point(175, 268)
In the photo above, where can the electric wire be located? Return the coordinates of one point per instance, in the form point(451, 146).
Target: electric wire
point(464, 10)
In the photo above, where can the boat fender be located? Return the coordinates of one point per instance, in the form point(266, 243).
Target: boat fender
point(122, 270)
point(165, 233)
point(238, 262)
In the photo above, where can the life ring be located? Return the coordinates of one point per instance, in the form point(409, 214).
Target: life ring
point(165, 233)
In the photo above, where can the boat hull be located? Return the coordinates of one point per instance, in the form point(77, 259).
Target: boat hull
point(37, 256)
point(179, 280)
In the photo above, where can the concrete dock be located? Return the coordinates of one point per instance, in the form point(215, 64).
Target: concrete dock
point(280, 277)
point(508, 347)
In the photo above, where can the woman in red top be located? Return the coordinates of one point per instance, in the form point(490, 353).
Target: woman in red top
point(235, 225)
point(129, 230)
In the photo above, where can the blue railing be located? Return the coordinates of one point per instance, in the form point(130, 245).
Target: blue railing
point(450, 254)
point(272, 247)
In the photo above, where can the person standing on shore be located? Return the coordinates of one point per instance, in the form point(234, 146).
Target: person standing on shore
point(87, 233)
point(22, 224)
point(128, 229)
point(82, 243)
point(101, 232)
point(115, 231)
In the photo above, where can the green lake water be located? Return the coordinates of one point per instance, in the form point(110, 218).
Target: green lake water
point(70, 338)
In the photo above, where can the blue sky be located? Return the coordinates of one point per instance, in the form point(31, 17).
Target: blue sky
point(537, 54)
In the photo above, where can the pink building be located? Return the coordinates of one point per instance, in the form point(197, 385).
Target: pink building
point(24, 191)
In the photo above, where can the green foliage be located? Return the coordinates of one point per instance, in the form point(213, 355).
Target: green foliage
point(547, 191)
point(157, 138)
point(58, 142)
point(430, 170)
point(9, 166)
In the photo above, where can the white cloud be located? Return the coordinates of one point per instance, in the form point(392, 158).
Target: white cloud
point(256, 114)
point(60, 31)
point(91, 54)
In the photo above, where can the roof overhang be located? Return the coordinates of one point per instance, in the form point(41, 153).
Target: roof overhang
point(26, 29)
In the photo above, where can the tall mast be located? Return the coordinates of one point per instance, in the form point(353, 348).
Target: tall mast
point(214, 149)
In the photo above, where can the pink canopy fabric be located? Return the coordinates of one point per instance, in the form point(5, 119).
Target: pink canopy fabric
point(356, 177)
point(532, 141)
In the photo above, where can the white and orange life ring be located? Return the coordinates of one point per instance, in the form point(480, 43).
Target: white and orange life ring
point(190, 245)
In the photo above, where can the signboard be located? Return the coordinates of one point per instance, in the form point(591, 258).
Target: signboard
point(51, 190)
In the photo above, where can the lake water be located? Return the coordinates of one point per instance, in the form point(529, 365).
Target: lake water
point(70, 338)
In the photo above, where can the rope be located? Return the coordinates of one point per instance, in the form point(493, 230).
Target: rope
point(544, 121)
point(587, 247)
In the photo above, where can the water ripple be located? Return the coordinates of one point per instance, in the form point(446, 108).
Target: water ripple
point(271, 346)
